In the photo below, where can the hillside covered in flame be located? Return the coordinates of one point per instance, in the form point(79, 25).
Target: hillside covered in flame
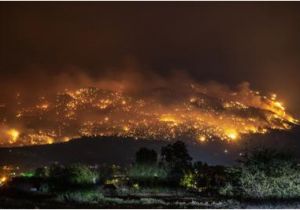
point(198, 112)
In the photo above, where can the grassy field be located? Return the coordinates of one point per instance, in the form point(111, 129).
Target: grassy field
point(139, 199)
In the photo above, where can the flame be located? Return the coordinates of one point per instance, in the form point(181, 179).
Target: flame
point(231, 134)
point(201, 138)
point(43, 106)
point(197, 112)
point(13, 135)
point(3, 179)
point(126, 128)
point(279, 105)
point(168, 119)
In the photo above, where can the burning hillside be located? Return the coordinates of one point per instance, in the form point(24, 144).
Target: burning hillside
point(199, 112)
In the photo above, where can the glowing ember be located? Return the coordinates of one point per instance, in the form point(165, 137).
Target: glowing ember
point(195, 112)
point(202, 138)
point(231, 134)
point(13, 135)
point(3, 180)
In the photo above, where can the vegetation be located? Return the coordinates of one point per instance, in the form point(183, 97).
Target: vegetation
point(148, 174)
point(79, 175)
point(58, 176)
point(176, 158)
point(264, 174)
point(80, 196)
point(42, 172)
point(171, 181)
point(203, 178)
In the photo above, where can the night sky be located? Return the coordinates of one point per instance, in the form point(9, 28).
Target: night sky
point(225, 42)
point(221, 41)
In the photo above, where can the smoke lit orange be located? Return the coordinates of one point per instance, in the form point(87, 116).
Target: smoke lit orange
point(195, 111)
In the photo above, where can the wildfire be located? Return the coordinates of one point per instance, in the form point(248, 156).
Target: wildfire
point(13, 135)
point(3, 179)
point(231, 134)
point(201, 138)
point(168, 119)
point(196, 113)
point(43, 106)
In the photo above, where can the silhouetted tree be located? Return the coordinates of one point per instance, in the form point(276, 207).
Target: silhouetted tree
point(176, 155)
point(146, 156)
point(177, 159)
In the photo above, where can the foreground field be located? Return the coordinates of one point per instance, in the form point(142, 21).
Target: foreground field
point(10, 199)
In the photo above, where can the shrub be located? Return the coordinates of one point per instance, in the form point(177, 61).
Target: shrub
point(78, 174)
point(227, 190)
point(42, 172)
point(87, 196)
point(203, 178)
point(189, 181)
point(148, 174)
point(109, 172)
point(264, 174)
point(56, 171)
point(261, 185)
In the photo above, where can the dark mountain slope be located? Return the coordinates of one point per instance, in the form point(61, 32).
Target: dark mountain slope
point(109, 150)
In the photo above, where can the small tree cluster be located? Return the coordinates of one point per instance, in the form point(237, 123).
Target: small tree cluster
point(202, 177)
point(75, 174)
point(174, 161)
point(264, 173)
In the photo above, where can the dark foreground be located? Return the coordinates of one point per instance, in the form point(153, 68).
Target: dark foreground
point(9, 199)
point(264, 178)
